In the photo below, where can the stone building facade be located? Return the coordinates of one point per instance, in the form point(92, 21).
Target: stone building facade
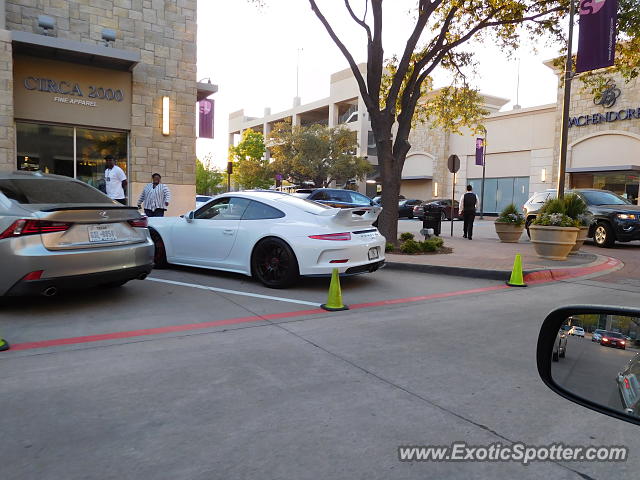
point(155, 47)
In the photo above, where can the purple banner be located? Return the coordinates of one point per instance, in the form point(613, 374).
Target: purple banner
point(205, 120)
point(480, 151)
point(597, 39)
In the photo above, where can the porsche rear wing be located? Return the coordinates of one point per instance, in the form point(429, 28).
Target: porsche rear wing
point(351, 216)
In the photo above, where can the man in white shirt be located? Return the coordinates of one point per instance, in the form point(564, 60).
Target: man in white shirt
point(156, 197)
point(468, 205)
point(115, 180)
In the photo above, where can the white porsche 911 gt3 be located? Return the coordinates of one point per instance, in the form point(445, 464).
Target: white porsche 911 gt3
point(272, 236)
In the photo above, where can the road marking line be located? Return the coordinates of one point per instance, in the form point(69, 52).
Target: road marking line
point(234, 292)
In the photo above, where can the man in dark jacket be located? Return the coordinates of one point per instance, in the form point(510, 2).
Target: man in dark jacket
point(468, 206)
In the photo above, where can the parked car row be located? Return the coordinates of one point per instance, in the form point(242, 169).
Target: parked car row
point(57, 234)
point(614, 218)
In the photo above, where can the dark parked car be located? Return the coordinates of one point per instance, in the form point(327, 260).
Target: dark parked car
point(336, 197)
point(613, 339)
point(405, 207)
point(378, 199)
point(444, 204)
point(615, 219)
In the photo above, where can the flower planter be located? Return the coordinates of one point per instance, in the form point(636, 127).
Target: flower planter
point(553, 243)
point(509, 232)
point(582, 236)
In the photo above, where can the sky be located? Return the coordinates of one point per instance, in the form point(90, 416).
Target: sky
point(253, 54)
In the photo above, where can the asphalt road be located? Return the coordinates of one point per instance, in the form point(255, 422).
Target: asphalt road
point(590, 370)
point(192, 382)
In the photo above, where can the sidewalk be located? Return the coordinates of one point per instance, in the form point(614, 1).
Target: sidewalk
point(485, 256)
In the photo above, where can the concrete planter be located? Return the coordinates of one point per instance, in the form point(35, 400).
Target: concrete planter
point(509, 232)
point(582, 236)
point(553, 243)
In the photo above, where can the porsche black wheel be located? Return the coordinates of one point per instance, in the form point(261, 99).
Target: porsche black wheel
point(274, 264)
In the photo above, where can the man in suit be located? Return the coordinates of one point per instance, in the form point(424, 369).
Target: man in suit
point(468, 206)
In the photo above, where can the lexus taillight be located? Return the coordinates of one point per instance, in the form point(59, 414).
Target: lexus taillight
point(23, 227)
point(341, 237)
point(142, 222)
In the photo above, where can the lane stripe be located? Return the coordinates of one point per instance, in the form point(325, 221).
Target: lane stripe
point(234, 292)
point(545, 276)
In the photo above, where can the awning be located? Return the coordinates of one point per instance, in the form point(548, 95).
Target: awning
point(55, 48)
point(611, 168)
point(205, 89)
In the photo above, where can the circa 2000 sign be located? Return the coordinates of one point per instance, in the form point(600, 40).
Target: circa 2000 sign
point(64, 87)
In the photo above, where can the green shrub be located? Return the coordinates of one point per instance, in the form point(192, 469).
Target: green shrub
point(410, 246)
point(389, 247)
point(432, 244)
point(510, 214)
point(553, 205)
point(555, 220)
point(574, 205)
point(577, 209)
point(406, 236)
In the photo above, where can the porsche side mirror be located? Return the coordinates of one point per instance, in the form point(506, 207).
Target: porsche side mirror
point(190, 217)
point(602, 374)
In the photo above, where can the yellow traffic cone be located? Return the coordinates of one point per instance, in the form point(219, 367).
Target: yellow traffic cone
point(334, 302)
point(4, 345)
point(516, 279)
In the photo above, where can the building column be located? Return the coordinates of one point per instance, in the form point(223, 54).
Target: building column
point(7, 126)
point(333, 115)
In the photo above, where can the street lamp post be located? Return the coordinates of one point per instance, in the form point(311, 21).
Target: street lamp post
point(484, 166)
point(568, 75)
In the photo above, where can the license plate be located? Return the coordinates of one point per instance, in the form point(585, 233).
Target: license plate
point(102, 233)
point(373, 253)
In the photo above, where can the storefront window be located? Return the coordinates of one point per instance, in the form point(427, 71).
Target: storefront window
point(500, 192)
point(50, 149)
point(624, 184)
point(91, 148)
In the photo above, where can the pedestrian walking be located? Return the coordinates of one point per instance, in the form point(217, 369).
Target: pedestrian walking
point(155, 197)
point(115, 180)
point(468, 206)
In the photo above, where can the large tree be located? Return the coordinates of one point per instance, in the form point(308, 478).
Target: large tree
point(251, 169)
point(445, 34)
point(209, 180)
point(316, 153)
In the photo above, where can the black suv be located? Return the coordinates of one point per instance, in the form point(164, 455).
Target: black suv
point(614, 218)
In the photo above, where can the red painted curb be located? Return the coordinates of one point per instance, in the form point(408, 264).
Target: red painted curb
point(542, 276)
point(159, 330)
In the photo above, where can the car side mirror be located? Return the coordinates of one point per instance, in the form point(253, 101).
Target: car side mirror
point(190, 217)
point(602, 374)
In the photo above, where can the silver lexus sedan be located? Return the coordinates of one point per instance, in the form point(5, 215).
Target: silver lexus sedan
point(57, 233)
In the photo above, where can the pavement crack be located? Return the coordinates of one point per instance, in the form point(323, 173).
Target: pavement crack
point(414, 394)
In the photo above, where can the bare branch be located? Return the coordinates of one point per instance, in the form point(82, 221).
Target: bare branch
point(375, 55)
point(425, 10)
point(362, 22)
point(366, 97)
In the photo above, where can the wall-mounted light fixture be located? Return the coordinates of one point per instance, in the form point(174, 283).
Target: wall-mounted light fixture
point(435, 189)
point(543, 175)
point(371, 181)
point(108, 36)
point(46, 23)
point(165, 115)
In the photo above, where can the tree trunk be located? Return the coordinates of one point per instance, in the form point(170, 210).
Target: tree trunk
point(388, 220)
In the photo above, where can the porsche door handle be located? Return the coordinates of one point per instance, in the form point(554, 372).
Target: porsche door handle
point(228, 231)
